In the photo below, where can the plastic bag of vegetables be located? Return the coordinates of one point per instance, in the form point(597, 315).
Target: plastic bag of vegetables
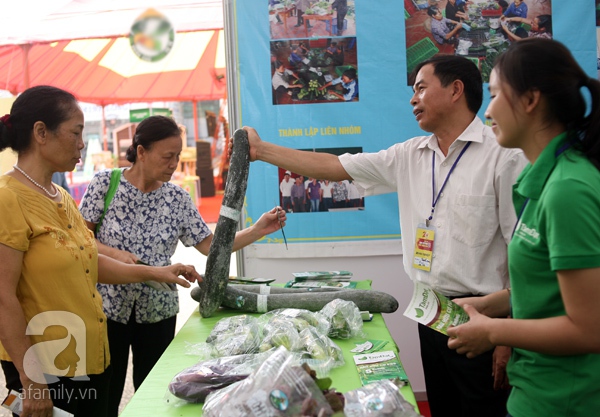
point(320, 352)
point(300, 318)
point(345, 321)
point(275, 389)
point(193, 384)
point(280, 332)
point(378, 399)
point(235, 335)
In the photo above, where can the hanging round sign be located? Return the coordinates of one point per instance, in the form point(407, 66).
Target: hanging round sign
point(151, 36)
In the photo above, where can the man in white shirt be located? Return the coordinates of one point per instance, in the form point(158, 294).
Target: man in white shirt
point(470, 210)
point(353, 195)
point(286, 191)
point(281, 81)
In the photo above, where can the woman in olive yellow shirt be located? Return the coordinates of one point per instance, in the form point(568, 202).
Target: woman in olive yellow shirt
point(52, 328)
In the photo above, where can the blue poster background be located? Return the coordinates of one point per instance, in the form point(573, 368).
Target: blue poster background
point(383, 115)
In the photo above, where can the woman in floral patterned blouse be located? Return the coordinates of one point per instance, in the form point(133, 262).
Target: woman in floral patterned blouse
point(54, 345)
point(146, 219)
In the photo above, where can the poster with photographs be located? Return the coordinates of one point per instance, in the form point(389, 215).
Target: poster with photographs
point(300, 194)
point(288, 59)
point(313, 51)
point(479, 30)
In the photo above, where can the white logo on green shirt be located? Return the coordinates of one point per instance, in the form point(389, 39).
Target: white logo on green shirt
point(528, 234)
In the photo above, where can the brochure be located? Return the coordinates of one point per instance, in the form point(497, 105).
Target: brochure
point(320, 284)
point(369, 346)
point(312, 275)
point(373, 367)
point(434, 310)
point(248, 280)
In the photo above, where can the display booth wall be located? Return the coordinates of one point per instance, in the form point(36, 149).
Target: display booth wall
point(380, 43)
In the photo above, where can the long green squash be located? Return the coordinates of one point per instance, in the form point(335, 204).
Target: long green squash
point(253, 302)
point(212, 288)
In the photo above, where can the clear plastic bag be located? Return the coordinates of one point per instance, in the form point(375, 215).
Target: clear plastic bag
point(275, 389)
point(235, 335)
point(345, 321)
point(378, 399)
point(280, 333)
point(193, 384)
point(320, 347)
point(299, 317)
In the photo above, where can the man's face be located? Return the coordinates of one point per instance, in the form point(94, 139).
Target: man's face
point(438, 15)
point(430, 100)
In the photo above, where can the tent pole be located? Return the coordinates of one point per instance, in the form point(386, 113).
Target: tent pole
point(26, 47)
point(104, 136)
point(196, 127)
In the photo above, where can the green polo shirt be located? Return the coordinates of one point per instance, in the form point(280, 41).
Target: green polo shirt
point(559, 229)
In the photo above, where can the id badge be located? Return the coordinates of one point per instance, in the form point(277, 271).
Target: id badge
point(423, 255)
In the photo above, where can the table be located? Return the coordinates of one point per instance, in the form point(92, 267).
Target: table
point(284, 12)
point(149, 399)
point(308, 17)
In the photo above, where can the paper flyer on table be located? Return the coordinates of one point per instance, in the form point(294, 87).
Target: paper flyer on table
point(434, 310)
point(375, 366)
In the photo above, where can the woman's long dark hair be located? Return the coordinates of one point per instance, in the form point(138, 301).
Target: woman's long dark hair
point(547, 66)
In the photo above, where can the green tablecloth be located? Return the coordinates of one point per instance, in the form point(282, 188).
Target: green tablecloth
point(149, 400)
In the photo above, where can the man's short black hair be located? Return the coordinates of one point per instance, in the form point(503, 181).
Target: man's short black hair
point(449, 68)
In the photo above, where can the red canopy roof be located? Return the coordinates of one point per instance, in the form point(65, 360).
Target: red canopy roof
point(106, 71)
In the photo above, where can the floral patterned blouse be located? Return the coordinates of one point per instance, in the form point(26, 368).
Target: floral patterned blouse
point(148, 225)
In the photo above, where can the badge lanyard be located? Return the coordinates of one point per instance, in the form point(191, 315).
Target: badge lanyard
point(425, 235)
point(435, 199)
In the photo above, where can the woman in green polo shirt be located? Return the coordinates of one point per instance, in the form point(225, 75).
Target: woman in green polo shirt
point(538, 104)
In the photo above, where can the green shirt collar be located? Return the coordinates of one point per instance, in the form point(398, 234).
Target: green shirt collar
point(531, 181)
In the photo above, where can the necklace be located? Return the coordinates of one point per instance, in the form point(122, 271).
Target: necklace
point(36, 183)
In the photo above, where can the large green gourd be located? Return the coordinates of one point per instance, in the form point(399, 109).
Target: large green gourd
point(212, 289)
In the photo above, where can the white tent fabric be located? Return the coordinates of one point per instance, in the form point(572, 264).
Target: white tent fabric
point(36, 21)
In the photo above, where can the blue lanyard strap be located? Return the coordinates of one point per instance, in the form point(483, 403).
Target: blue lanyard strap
point(434, 198)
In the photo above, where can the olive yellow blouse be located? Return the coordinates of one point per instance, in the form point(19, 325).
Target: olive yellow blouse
point(57, 287)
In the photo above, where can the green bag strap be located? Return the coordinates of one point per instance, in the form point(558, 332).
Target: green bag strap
point(115, 178)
